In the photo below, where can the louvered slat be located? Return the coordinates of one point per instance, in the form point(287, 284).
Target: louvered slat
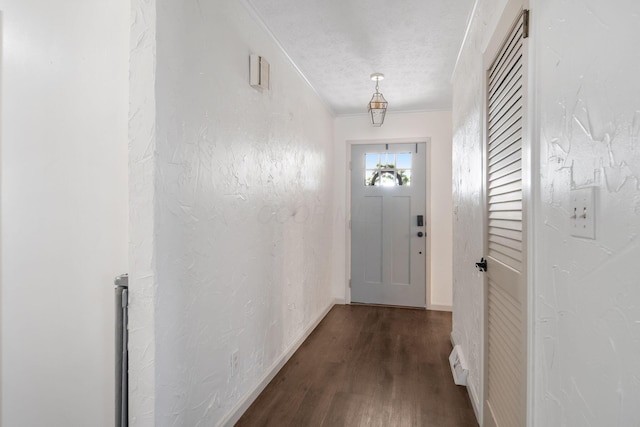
point(503, 189)
point(506, 197)
point(506, 131)
point(507, 255)
point(510, 97)
point(507, 118)
point(507, 179)
point(509, 225)
point(510, 314)
point(507, 215)
point(513, 79)
point(511, 76)
point(513, 44)
point(506, 169)
point(507, 206)
point(503, 232)
point(505, 345)
point(510, 243)
point(507, 302)
point(505, 161)
point(502, 359)
point(505, 358)
point(505, 138)
point(507, 151)
point(505, 314)
point(508, 348)
point(507, 388)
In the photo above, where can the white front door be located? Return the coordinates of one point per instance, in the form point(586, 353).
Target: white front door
point(388, 224)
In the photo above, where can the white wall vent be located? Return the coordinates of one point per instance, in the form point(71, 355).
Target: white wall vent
point(458, 365)
point(258, 72)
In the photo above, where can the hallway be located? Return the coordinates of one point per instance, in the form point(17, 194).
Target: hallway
point(133, 141)
point(368, 366)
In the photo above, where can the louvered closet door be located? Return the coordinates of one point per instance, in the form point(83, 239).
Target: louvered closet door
point(505, 327)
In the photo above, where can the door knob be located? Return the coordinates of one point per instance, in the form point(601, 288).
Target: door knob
point(420, 234)
point(482, 265)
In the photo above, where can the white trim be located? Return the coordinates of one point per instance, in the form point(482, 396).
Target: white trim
point(533, 207)
point(243, 404)
point(261, 22)
point(475, 401)
point(464, 39)
point(436, 307)
point(339, 301)
point(411, 140)
point(398, 112)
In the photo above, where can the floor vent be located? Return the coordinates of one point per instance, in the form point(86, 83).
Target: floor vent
point(458, 365)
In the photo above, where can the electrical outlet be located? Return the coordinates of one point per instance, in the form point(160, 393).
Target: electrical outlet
point(234, 363)
point(582, 213)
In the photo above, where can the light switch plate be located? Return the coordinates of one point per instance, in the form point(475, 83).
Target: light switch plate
point(582, 213)
point(258, 72)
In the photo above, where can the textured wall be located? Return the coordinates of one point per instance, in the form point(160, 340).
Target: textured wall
point(241, 256)
point(467, 191)
point(63, 207)
point(587, 312)
point(433, 125)
point(587, 102)
point(142, 206)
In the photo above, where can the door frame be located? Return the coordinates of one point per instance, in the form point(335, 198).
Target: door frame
point(413, 140)
point(530, 162)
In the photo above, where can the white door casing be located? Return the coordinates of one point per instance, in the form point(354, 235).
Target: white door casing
point(506, 169)
point(388, 257)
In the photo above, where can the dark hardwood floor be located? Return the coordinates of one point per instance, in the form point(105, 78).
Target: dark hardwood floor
point(368, 366)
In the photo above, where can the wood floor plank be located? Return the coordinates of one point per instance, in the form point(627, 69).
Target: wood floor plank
point(368, 366)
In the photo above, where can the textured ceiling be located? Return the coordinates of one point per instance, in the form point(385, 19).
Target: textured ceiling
point(337, 44)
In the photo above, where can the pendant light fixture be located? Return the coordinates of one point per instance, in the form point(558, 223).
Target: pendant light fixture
point(377, 105)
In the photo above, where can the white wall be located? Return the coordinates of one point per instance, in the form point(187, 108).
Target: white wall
point(433, 125)
point(467, 192)
point(587, 317)
point(237, 184)
point(585, 368)
point(64, 207)
point(142, 206)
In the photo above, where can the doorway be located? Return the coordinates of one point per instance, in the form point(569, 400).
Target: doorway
point(388, 224)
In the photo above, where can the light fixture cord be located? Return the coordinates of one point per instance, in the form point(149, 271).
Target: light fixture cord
point(377, 80)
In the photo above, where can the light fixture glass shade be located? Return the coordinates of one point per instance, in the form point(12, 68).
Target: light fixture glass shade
point(377, 109)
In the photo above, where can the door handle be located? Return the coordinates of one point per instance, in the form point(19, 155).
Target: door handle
point(420, 234)
point(482, 265)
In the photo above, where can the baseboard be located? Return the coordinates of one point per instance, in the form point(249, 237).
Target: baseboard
point(436, 307)
point(339, 301)
point(234, 415)
point(474, 402)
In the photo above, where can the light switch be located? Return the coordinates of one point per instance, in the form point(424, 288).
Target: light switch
point(582, 213)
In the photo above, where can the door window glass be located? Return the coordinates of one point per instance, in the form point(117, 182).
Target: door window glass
point(387, 169)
